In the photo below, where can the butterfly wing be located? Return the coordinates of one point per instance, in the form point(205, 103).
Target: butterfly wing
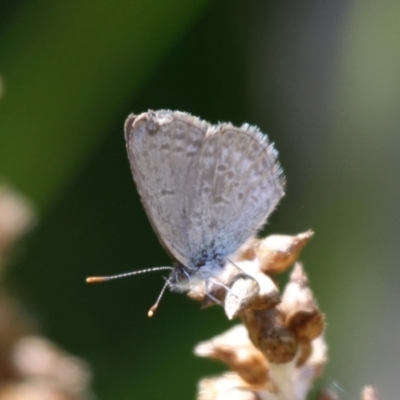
point(161, 146)
point(234, 183)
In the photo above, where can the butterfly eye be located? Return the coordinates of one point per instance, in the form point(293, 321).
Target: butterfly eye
point(180, 277)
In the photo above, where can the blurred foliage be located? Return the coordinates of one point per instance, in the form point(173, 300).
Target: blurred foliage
point(321, 78)
point(63, 65)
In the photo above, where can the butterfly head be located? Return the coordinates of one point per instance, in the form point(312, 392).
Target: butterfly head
point(182, 278)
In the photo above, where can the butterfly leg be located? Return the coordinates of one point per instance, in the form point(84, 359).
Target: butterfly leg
point(242, 273)
point(227, 288)
point(208, 290)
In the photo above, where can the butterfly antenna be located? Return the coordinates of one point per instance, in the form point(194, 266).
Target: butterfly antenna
point(155, 306)
point(96, 279)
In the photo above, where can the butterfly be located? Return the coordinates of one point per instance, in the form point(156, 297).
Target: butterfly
point(206, 188)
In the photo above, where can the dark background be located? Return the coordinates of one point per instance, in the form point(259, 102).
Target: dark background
point(321, 78)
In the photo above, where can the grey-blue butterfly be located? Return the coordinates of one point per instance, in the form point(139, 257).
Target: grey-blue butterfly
point(206, 188)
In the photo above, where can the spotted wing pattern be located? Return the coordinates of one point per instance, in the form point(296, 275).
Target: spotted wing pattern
point(161, 146)
point(234, 183)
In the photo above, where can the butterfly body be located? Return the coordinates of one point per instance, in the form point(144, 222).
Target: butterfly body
point(184, 277)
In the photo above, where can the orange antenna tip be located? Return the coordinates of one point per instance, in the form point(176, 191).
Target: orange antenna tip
point(95, 279)
point(151, 311)
point(155, 306)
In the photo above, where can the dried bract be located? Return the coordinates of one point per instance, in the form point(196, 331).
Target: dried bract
point(235, 349)
point(328, 394)
point(370, 393)
point(31, 367)
point(275, 253)
point(16, 218)
point(279, 350)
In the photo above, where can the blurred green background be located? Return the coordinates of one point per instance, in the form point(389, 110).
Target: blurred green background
point(321, 78)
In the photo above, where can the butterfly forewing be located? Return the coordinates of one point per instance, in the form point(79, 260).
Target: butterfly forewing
point(161, 146)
